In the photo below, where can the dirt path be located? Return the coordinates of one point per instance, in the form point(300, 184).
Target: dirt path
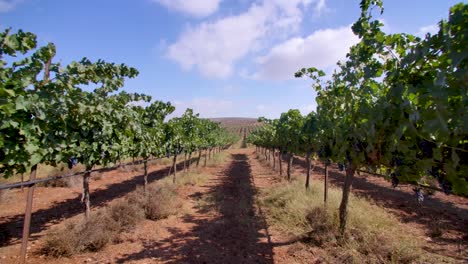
point(220, 223)
point(224, 226)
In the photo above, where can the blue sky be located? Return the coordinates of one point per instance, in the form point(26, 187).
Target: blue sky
point(220, 57)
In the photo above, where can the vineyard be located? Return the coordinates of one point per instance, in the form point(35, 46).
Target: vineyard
point(377, 174)
point(239, 126)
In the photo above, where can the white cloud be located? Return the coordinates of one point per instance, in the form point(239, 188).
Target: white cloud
point(321, 6)
point(213, 48)
point(198, 8)
point(206, 107)
point(433, 29)
point(8, 5)
point(321, 49)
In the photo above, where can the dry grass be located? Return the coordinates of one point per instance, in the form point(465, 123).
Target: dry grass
point(126, 214)
point(373, 235)
point(131, 168)
point(105, 225)
point(85, 235)
point(161, 162)
point(159, 201)
point(216, 159)
point(102, 228)
point(194, 177)
point(69, 182)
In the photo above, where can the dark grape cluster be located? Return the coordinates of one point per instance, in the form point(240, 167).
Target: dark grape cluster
point(396, 161)
point(444, 184)
point(357, 147)
point(320, 153)
point(341, 166)
point(72, 162)
point(427, 148)
point(324, 152)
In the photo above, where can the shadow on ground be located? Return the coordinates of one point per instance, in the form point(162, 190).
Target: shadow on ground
point(12, 226)
point(236, 234)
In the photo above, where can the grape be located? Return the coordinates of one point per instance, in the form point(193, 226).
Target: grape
point(341, 166)
point(398, 162)
point(426, 148)
point(319, 153)
point(443, 183)
point(446, 187)
point(72, 162)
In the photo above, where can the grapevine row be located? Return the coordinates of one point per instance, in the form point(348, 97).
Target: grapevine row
point(397, 102)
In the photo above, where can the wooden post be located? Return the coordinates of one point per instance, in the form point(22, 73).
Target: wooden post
point(27, 216)
point(175, 169)
point(325, 191)
point(145, 176)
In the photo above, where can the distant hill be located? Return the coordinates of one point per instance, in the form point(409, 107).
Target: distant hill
point(242, 126)
point(235, 121)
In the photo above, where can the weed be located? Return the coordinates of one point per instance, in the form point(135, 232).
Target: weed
point(373, 235)
point(217, 159)
point(81, 236)
point(159, 201)
point(126, 214)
